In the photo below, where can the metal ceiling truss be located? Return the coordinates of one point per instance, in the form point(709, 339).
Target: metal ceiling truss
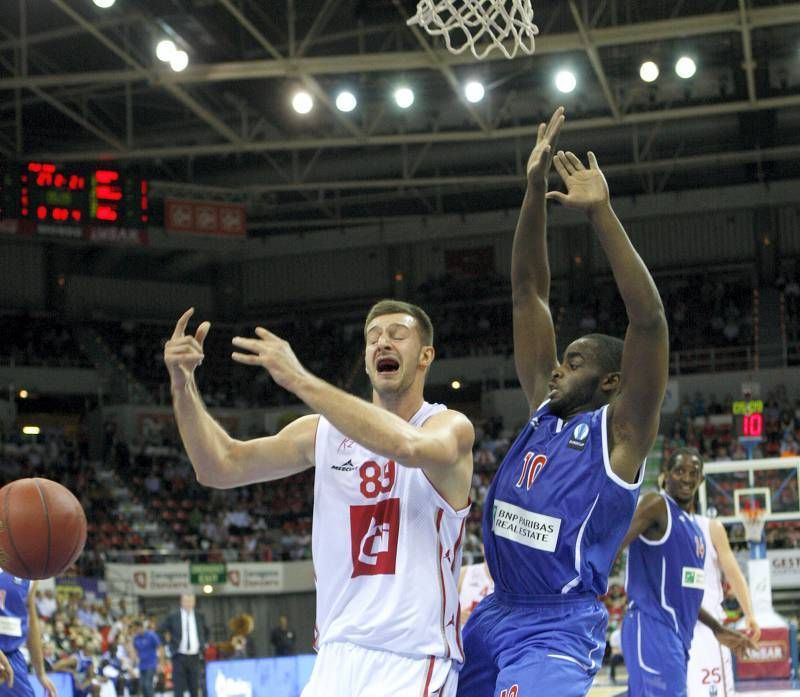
point(391, 61)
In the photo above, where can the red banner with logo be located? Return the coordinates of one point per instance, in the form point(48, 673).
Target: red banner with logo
point(205, 218)
point(772, 658)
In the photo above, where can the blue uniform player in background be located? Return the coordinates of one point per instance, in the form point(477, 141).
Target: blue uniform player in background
point(564, 496)
point(665, 584)
point(19, 624)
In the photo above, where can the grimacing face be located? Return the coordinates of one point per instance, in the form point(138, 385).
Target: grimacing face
point(685, 477)
point(394, 352)
point(575, 380)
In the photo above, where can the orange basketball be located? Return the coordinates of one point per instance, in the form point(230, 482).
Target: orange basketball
point(42, 528)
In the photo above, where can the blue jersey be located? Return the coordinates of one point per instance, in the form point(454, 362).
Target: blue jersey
point(556, 513)
point(665, 579)
point(13, 611)
point(146, 645)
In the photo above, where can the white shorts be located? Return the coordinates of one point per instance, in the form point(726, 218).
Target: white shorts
point(710, 671)
point(347, 670)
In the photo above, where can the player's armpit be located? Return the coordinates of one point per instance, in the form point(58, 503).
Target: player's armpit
point(265, 459)
point(635, 413)
point(650, 519)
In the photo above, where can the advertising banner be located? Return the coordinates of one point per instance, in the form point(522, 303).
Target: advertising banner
point(285, 676)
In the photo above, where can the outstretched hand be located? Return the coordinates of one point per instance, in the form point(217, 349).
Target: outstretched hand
point(736, 641)
point(273, 353)
point(586, 188)
point(183, 353)
point(542, 154)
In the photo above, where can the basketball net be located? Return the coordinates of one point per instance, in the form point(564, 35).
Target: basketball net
point(753, 521)
point(484, 24)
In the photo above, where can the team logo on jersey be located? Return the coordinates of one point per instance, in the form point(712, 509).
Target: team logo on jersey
point(580, 435)
point(346, 467)
point(532, 465)
point(700, 546)
point(374, 532)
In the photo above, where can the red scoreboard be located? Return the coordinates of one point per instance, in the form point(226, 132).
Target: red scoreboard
point(43, 192)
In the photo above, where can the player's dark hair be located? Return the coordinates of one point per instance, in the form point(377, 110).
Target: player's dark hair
point(390, 307)
point(686, 452)
point(608, 350)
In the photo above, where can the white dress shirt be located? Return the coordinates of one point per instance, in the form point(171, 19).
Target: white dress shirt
point(190, 643)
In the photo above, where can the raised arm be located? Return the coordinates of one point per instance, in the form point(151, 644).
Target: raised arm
point(733, 574)
point(442, 446)
point(534, 335)
point(221, 461)
point(635, 412)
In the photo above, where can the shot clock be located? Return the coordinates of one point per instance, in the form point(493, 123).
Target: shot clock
point(748, 418)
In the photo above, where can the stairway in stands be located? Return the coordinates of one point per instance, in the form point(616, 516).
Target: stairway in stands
point(120, 383)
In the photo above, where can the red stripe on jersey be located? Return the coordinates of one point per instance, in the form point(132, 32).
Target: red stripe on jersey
point(458, 631)
point(442, 587)
point(431, 663)
point(458, 545)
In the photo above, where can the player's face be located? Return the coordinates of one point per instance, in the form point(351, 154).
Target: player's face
point(394, 352)
point(574, 383)
point(684, 479)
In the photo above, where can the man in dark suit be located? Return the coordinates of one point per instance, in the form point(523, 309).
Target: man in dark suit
point(186, 634)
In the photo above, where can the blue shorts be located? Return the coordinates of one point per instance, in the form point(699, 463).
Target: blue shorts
point(655, 657)
point(22, 684)
point(546, 646)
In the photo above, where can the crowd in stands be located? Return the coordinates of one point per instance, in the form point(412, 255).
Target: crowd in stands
point(39, 341)
point(471, 315)
point(143, 502)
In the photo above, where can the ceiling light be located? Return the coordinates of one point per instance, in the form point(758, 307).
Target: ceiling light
point(31, 430)
point(456, 385)
point(104, 4)
point(23, 394)
point(179, 61)
point(474, 91)
point(302, 102)
point(565, 81)
point(208, 589)
point(685, 67)
point(346, 101)
point(649, 71)
point(404, 97)
point(165, 50)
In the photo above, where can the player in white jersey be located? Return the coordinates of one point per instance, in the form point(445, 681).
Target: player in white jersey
point(391, 495)
point(710, 670)
point(474, 584)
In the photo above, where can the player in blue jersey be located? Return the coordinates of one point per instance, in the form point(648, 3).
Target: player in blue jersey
point(19, 624)
point(665, 584)
point(565, 493)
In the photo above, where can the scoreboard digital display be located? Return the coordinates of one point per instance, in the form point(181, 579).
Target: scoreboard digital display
point(43, 192)
point(749, 418)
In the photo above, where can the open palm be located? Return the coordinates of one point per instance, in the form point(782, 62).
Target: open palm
point(586, 187)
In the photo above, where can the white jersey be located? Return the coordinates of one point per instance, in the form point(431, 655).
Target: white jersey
point(710, 669)
point(477, 584)
point(713, 595)
point(387, 551)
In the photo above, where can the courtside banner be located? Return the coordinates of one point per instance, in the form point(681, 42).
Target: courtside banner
point(772, 658)
point(284, 676)
point(205, 218)
point(243, 578)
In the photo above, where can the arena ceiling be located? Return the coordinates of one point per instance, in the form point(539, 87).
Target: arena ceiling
point(78, 83)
